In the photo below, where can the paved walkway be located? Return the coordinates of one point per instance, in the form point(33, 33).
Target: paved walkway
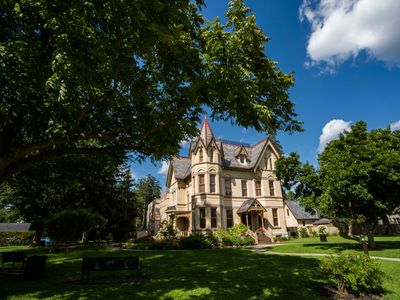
point(262, 249)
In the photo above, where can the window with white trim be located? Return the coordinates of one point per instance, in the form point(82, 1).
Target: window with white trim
point(271, 187)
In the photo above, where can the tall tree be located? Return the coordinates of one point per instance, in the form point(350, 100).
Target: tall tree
point(358, 177)
point(8, 213)
point(99, 76)
point(71, 187)
point(147, 189)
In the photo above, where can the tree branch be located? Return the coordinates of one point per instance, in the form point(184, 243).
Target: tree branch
point(29, 162)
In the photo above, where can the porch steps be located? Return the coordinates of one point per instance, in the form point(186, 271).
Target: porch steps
point(264, 240)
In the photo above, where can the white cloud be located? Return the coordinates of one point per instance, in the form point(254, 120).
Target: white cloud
point(395, 125)
point(163, 170)
point(331, 131)
point(341, 29)
point(186, 143)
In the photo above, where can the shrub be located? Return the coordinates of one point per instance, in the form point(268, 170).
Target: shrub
point(223, 237)
point(322, 230)
point(196, 241)
point(357, 274)
point(237, 230)
point(11, 238)
point(164, 244)
point(303, 232)
point(246, 241)
point(168, 231)
point(312, 232)
point(293, 234)
point(130, 244)
point(234, 236)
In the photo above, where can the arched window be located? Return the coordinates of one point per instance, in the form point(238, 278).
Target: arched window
point(200, 155)
point(211, 155)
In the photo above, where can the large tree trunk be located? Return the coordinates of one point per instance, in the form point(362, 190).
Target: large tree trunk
point(84, 238)
point(37, 236)
point(371, 240)
point(370, 232)
point(350, 230)
point(388, 227)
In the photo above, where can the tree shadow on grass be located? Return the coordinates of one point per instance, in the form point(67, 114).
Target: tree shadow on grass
point(379, 246)
point(335, 247)
point(198, 274)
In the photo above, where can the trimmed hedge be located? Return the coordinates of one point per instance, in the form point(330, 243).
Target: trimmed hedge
point(13, 238)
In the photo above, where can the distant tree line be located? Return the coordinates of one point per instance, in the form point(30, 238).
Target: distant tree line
point(80, 196)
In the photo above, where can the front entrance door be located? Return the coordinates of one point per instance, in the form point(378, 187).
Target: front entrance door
point(252, 219)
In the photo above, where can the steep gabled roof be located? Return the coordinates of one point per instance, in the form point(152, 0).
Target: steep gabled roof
point(241, 151)
point(181, 167)
point(229, 151)
point(232, 149)
point(206, 133)
point(299, 212)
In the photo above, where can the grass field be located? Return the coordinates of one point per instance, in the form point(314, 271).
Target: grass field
point(185, 274)
point(385, 246)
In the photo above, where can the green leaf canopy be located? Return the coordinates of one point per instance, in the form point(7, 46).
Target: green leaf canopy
point(100, 76)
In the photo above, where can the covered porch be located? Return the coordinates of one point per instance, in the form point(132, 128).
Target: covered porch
point(181, 221)
point(252, 214)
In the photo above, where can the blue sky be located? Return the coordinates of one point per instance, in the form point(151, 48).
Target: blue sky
point(345, 55)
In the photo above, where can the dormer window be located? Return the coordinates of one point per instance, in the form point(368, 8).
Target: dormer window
point(242, 159)
point(200, 155)
point(242, 156)
point(211, 155)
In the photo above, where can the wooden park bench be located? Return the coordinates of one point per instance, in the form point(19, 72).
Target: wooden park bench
point(13, 258)
point(110, 264)
point(30, 268)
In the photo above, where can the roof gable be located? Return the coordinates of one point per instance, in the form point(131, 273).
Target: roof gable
point(251, 204)
point(179, 167)
point(206, 133)
point(241, 151)
point(231, 150)
point(299, 212)
point(266, 143)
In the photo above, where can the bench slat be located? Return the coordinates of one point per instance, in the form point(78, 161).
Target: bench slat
point(110, 264)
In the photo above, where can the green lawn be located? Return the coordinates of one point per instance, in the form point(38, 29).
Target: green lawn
point(385, 246)
point(201, 274)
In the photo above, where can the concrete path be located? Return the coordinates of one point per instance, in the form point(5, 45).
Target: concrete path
point(265, 251)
